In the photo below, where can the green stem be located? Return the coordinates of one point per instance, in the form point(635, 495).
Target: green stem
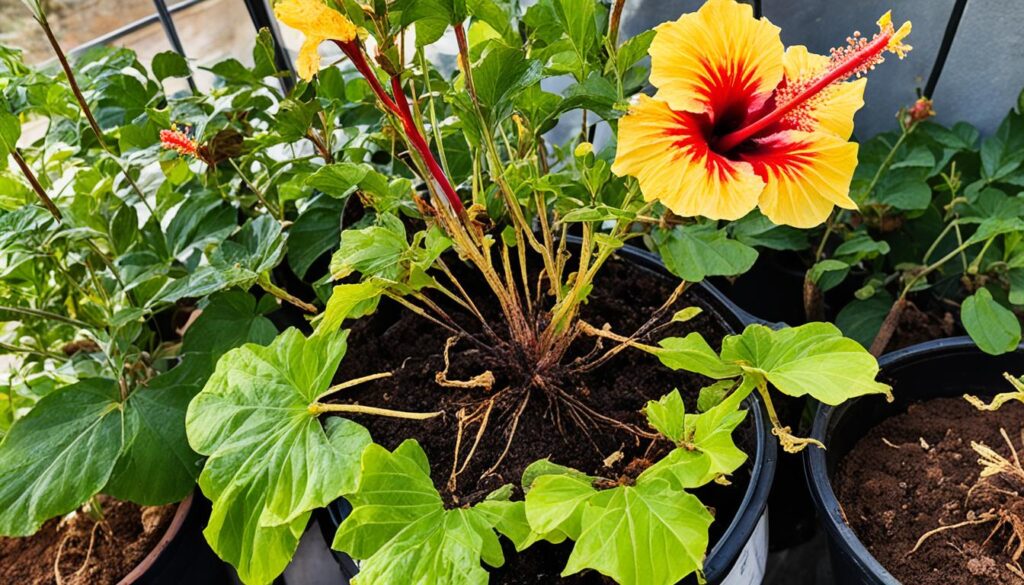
point(46, 315)
point(318, 408)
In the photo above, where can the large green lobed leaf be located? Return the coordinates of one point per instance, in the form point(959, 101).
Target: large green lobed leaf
point(271, 462)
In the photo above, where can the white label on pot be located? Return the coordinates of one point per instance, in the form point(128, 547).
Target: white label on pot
point(750, 566)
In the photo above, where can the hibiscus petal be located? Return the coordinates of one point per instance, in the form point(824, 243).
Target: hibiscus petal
point(719, 60)
point(833, 109)
point(308, 62)
point(805, 174)
point(315, 19)
point(667, 152)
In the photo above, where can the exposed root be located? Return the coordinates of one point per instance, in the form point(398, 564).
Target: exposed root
point(476, 442)
point(88, 554)
point(484, 380)
point(511, 435)
point(1002, 477)
point(588, 364)
point(987, 517)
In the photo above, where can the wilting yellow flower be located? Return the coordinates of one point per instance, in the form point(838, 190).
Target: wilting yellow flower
point(319, 23)
point(740, 122)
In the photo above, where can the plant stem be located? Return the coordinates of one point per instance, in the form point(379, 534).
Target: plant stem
point(40, 353)
point(273, 289)
point(354, 382)
point(84, 106)
point(46, 315)
point(274, 211)
point(318, 408)
point(36, 186)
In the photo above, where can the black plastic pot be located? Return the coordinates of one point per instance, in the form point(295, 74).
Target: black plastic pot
point(943, 368)
point(182, 555)
point(741, 551)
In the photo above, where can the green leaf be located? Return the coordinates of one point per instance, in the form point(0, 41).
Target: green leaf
point(666, 415)
point(695, 252)
point(828, 273)
point(316, 231)
point(338, 179)
point(263, 54)
point(401, 531)
point(706, 447)
point(228, 320)
point(10, 132)
point(350, 301)
point(556, 500)
point(157, 466)
point(508, 517)
point(502, 75)
point(371, 251)
point(238, 261)
point(909, 194)
point(634, 49)
point(169, 64)
point(861, 319)
point(711, 396)
point(578, 20)
point(642, 535)
point(59, 455)
point(692, 353)
point(813, 359)
point(271, 462)
point(992, 326)
point(756, 230)
point(684, 315)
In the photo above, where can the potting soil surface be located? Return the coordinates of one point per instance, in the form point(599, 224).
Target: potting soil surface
point(912, 473)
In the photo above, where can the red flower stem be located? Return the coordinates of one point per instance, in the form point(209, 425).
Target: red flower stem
point(734, 139)
point(420, 144)
point(399, 106)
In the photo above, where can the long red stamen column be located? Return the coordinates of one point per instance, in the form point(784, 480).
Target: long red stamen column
point(853, 63)
point(399, 106)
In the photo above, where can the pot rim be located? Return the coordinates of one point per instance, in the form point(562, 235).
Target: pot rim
point(815, 464)
point(180, 514)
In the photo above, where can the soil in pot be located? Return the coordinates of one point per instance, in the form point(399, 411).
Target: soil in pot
point(394, 340)
point(89, 553)
point(911, 474)
point(932, 320)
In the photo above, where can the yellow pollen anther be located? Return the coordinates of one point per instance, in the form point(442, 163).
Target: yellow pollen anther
point(895, 44)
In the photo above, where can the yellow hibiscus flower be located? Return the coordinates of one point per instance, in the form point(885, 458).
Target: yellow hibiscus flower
point(319, 23)
point(739, 122)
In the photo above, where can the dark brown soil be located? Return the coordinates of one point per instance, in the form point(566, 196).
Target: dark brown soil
point(396, 341)
point(911, 474)
point(129, 533)
point(917, 326)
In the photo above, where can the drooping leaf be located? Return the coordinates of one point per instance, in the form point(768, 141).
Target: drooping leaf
point(271, 462)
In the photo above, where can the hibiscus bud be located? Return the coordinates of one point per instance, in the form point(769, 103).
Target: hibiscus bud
point(583, 149)
point(920, 111)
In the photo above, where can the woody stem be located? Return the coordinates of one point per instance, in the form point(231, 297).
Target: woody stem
point(844, 70)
